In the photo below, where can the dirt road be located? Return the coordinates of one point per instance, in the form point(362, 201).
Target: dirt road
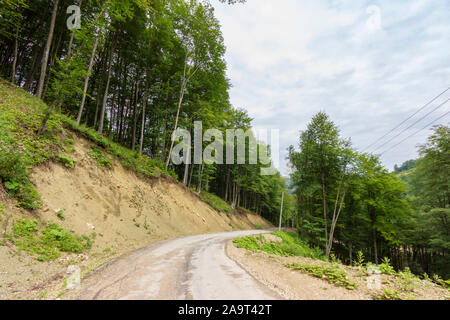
point(195, 267)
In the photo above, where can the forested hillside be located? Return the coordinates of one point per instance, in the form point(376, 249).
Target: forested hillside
point(135, 71)
point(354, 208)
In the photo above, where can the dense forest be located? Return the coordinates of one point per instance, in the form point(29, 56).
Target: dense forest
point(136, 70)
point(353, 207)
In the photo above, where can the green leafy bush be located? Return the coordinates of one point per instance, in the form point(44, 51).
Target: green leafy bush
point(386, 268)
point(289, 246)
point(296, 247)
point(407, 280)
point(335, 259)
point(50, 243)
point(359, 262)
point(54, 236)
point(14, 174)
point(258, 243)
point(20, 146)
point(332, 274)
point(25, 228)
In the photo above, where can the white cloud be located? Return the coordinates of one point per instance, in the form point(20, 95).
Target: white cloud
point(289, 59)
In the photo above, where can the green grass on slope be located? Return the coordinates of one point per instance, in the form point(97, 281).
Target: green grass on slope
point(218, 204)
point(215, 202)
point(48, 243)
point(291, 245)
point(143, 166)
point(332, 273)
point(21, 148)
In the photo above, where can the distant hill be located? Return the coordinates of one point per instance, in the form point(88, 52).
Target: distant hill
point(405, 166)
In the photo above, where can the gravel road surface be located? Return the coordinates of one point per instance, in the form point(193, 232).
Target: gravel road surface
point(195, 267)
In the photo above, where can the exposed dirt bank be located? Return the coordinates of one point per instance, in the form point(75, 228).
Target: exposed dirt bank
point(117, 210)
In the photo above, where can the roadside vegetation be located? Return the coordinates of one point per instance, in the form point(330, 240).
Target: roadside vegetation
point(331, 273)
point(297, 256)
point(132, 160)
point(21, 147)
point(348, 202)
point(290, 245)
point(127, 79)
point(47, 241)
point(136, 71)
point(215, 202)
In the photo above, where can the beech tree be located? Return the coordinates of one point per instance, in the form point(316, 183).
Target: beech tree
point(40, 86)
point(136, 71)
point(322, 166)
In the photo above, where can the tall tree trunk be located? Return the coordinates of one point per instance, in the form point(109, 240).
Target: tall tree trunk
point(120, 96)
point(16, 46)
point(51, 64)
point(133, 142)
point(123, 104)
point(199, 185)
point(180, 101)
point(236, 192)
point(123, 112)
point(238, 202)
point(97, 104)
point(33, 68)
point(372, 216)
point(105, 97)
point(324, 203)
point(191, 174)
point(69, 50)
point(144, 105)
point(86, 79)
point(184, 83)
point(186, 166)
point(113, 114)
point(350, 252)
point(335, 218)
point(227, 185)
point(374, 235)
point(47, 50)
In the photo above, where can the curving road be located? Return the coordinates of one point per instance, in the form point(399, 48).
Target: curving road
point(195, 267)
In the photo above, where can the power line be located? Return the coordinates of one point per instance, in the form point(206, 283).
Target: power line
point(392, 130)
point(415, 133)
point(439, 106)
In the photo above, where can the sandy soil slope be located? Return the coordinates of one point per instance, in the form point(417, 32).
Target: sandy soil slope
point(118, 210)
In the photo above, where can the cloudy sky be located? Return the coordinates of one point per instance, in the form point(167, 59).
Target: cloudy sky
point(368, 64)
